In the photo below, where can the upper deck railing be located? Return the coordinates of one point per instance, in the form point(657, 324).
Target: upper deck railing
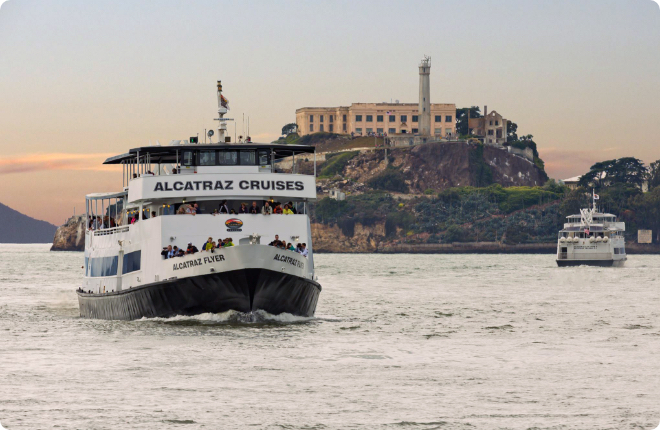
point(181, 159)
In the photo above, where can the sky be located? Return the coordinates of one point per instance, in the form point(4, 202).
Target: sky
point(82, 80)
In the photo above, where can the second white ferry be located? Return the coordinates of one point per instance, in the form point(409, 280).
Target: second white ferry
point(208, 201)
point(592, 238)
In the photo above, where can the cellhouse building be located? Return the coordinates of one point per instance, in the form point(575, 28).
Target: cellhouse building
point(423, 118)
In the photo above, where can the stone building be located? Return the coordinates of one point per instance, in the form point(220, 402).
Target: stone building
point(491, 128)
point(365, 118)
point(361, 119)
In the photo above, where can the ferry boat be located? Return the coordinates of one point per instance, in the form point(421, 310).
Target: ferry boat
point(187, 193)
point(592, 238)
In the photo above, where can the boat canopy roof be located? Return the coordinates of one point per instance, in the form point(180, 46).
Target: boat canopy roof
point(169, 154)
point(105, 196)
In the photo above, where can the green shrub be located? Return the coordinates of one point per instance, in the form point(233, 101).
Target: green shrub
point(335, 163)
point(396, 219)
point(390, 179)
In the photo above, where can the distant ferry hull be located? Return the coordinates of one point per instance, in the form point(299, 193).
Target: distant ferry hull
point(599, 263)
point(243, 290)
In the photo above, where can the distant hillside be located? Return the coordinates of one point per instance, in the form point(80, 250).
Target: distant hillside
point(18, 228)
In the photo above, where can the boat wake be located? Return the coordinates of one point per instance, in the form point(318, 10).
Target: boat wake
point(233, 318)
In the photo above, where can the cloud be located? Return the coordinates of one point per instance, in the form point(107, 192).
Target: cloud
point(54, 161)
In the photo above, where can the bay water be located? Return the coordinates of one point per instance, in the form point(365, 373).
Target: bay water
point(398, 342)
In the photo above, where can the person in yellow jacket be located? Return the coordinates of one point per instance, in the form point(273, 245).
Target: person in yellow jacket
point(287, 210)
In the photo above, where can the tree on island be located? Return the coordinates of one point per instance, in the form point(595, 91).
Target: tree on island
point(627, 170)
point(512, 131)
point(654, 175)
point(462, 119)
point(289, 129)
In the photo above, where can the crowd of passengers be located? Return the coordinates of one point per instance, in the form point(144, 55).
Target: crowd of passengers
point(210, 245)
point(301, 248)
point(268, 208)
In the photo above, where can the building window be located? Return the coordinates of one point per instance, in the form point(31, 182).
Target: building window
point(490, 132)
point(497, 123)
point(379, 118)
point(379, 130)
point(392, 118)
point(449, 118)
point(370, 118)
point(391, 130)
point(415, 118)
point(358, 131)
point(331, 128)
point(437, 131)
point(491, 122)
point(358, 118)
point(344, 126)
point(438, 118)
point(448, 132)
point(344, 118)
point(311, 128)
point(321, 127)
point(320, 118)
point(414, 130)
point(311, 118)
point(404, 118)
point(331, 118)
point(403, 131)
point(370, 130)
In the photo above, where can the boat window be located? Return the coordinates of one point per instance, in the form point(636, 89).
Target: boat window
point(207, 158)
point(247, 158)
point(264, 157)
point(187, 158)
point(227, 158)
point(131, 262)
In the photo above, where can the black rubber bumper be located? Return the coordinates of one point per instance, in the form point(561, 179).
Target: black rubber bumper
point(243, 290)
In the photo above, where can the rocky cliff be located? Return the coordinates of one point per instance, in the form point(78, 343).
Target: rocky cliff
point(438, 166)
point(70, 236)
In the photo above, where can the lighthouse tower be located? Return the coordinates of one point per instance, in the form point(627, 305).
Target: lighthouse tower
point(425, 97)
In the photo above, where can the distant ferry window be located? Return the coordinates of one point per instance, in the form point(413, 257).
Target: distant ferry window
point(227, 158)
point(206, 158)
point(187, 158)
point(264, 157)
point(247, 158)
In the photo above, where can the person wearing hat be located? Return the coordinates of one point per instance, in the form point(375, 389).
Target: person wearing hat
point(191, 248)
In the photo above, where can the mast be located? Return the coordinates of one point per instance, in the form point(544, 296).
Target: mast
point(223, 108)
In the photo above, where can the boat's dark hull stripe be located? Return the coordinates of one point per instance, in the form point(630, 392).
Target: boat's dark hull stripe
point(240, 290)
point(600, 263)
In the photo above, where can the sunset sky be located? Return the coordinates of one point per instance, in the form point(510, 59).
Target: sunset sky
point(81, 80)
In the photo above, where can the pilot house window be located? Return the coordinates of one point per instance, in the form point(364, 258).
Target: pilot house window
point(187, 158)
point(206, 158)
point(264, 157)
point(227, 158)
point(247, 158)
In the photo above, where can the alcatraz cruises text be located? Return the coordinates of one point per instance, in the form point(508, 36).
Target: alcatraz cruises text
point(229, 185)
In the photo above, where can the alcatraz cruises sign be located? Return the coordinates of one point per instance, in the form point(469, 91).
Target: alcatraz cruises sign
point(229, 185)
point(259, 185)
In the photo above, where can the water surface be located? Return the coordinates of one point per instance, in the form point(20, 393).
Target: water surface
point(399, 341)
